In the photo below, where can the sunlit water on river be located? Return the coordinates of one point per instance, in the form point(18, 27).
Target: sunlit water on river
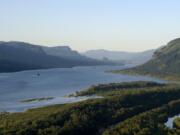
point(15, 87)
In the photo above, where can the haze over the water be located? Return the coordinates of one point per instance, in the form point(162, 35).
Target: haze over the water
point(129, 25)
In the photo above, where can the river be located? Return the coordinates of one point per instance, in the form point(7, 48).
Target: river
point(18, 86)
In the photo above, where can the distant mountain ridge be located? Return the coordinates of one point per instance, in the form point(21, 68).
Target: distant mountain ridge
point(18, 56)
point(126, 57)
point(164, 63)
point(65, 52)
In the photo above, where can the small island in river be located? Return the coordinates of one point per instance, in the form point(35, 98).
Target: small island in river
point(36, 99)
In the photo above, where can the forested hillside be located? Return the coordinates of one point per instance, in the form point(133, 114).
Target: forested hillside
point(126, 109)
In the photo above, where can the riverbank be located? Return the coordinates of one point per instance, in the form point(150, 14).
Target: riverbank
point(168, 78)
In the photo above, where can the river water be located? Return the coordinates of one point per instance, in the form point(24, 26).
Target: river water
point(15, 87)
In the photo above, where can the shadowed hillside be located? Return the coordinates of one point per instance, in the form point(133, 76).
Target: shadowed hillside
point(18, 56)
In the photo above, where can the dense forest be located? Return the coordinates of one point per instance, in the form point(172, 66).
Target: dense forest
point(139, 108)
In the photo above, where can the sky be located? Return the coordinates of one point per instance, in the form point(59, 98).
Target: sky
point(120, 25)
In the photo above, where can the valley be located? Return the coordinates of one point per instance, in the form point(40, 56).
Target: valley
point(89, 67)
point(90, 100)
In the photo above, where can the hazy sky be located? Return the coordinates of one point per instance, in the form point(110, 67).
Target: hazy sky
point(130, 25)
